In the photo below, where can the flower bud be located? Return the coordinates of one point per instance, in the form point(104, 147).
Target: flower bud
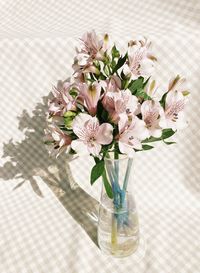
point(68, 118)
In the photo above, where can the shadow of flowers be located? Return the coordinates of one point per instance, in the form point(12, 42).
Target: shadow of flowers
point(30, 158)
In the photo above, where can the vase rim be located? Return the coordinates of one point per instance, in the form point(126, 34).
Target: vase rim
point(121, 157)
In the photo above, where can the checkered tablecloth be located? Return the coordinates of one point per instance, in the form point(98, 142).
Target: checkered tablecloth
point(48, 223)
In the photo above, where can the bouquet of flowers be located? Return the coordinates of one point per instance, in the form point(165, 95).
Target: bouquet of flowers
point(112, 104)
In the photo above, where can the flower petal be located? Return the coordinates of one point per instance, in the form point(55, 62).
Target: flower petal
point(92, 127)
point(105, 134)
point(126, 149)
point(79, 125)
point(150, 113)
point(138, 129)
point(91, 95)
point(177, 84)
point(56, 136)
point(174, 97)
point(146, 67)
point(62, 150)
point(123, 122)
point(155, 132)
point(79, 147)
point(163, 122)
point(94, 148)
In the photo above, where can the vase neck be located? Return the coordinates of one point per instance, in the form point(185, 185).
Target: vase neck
point(119, 171)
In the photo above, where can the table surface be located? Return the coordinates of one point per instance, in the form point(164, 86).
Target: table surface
point(48, 210)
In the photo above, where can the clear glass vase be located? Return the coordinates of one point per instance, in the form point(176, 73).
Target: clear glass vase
point(118, 227)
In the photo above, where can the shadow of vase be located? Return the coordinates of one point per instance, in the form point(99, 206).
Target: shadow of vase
point(29, 158)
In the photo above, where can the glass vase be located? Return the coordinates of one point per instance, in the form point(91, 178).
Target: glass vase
point(118, 227)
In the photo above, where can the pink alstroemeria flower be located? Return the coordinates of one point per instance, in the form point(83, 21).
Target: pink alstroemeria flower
point(57, 140)
point(79, 71)
point(91, 134)
point(92, 45)
point(122, 102)
point(62, 100)
point(153, 90)
point(131, 134)
point(92, 48)
point(140, 59)
point(113, 84)
point(178, 84)
point(175, 102)
point(90, 95)
point(151, 112)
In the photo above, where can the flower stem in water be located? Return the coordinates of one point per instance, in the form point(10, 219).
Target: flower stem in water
point(114, 234)
point(114, 219)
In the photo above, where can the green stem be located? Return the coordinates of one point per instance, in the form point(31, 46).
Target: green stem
point(109, 69)
point(114, 234)
point(116, 156)
point(128, 170)
point(114, 220)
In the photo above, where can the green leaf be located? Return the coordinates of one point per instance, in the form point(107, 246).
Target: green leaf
point(107, 185)
point(102, 77)
point(135, 85)
point(115, 52)
point(125, 84)
point(102, 114)
point(120, 63)
point(97, 171)
point(137, 88)
point(106, 148)
point(170, 142)
point(106, 70)
point(113, 64)
point(162, 101)
point(140, 93)
point(166, 133)
point(147, 147)
point(125, 80)
point(123, 76)
point(73, 92)
point(151, 139)
point(145, 83)
point(68, 118)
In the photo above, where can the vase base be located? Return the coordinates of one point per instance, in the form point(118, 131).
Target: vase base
point(137, 252)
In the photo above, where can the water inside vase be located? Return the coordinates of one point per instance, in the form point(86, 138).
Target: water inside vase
point(118, 230)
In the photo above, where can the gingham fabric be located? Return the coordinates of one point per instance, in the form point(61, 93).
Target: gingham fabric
point(47, 222)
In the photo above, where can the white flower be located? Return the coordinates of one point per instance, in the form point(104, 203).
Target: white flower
point(122, 102)
point(131, 134)
point(57, 140)
point(140, 59)
point(91, 134)
point(62, 100)
point(151, 112)
point(173, 115)
point(175, 102)
point(90, 95)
